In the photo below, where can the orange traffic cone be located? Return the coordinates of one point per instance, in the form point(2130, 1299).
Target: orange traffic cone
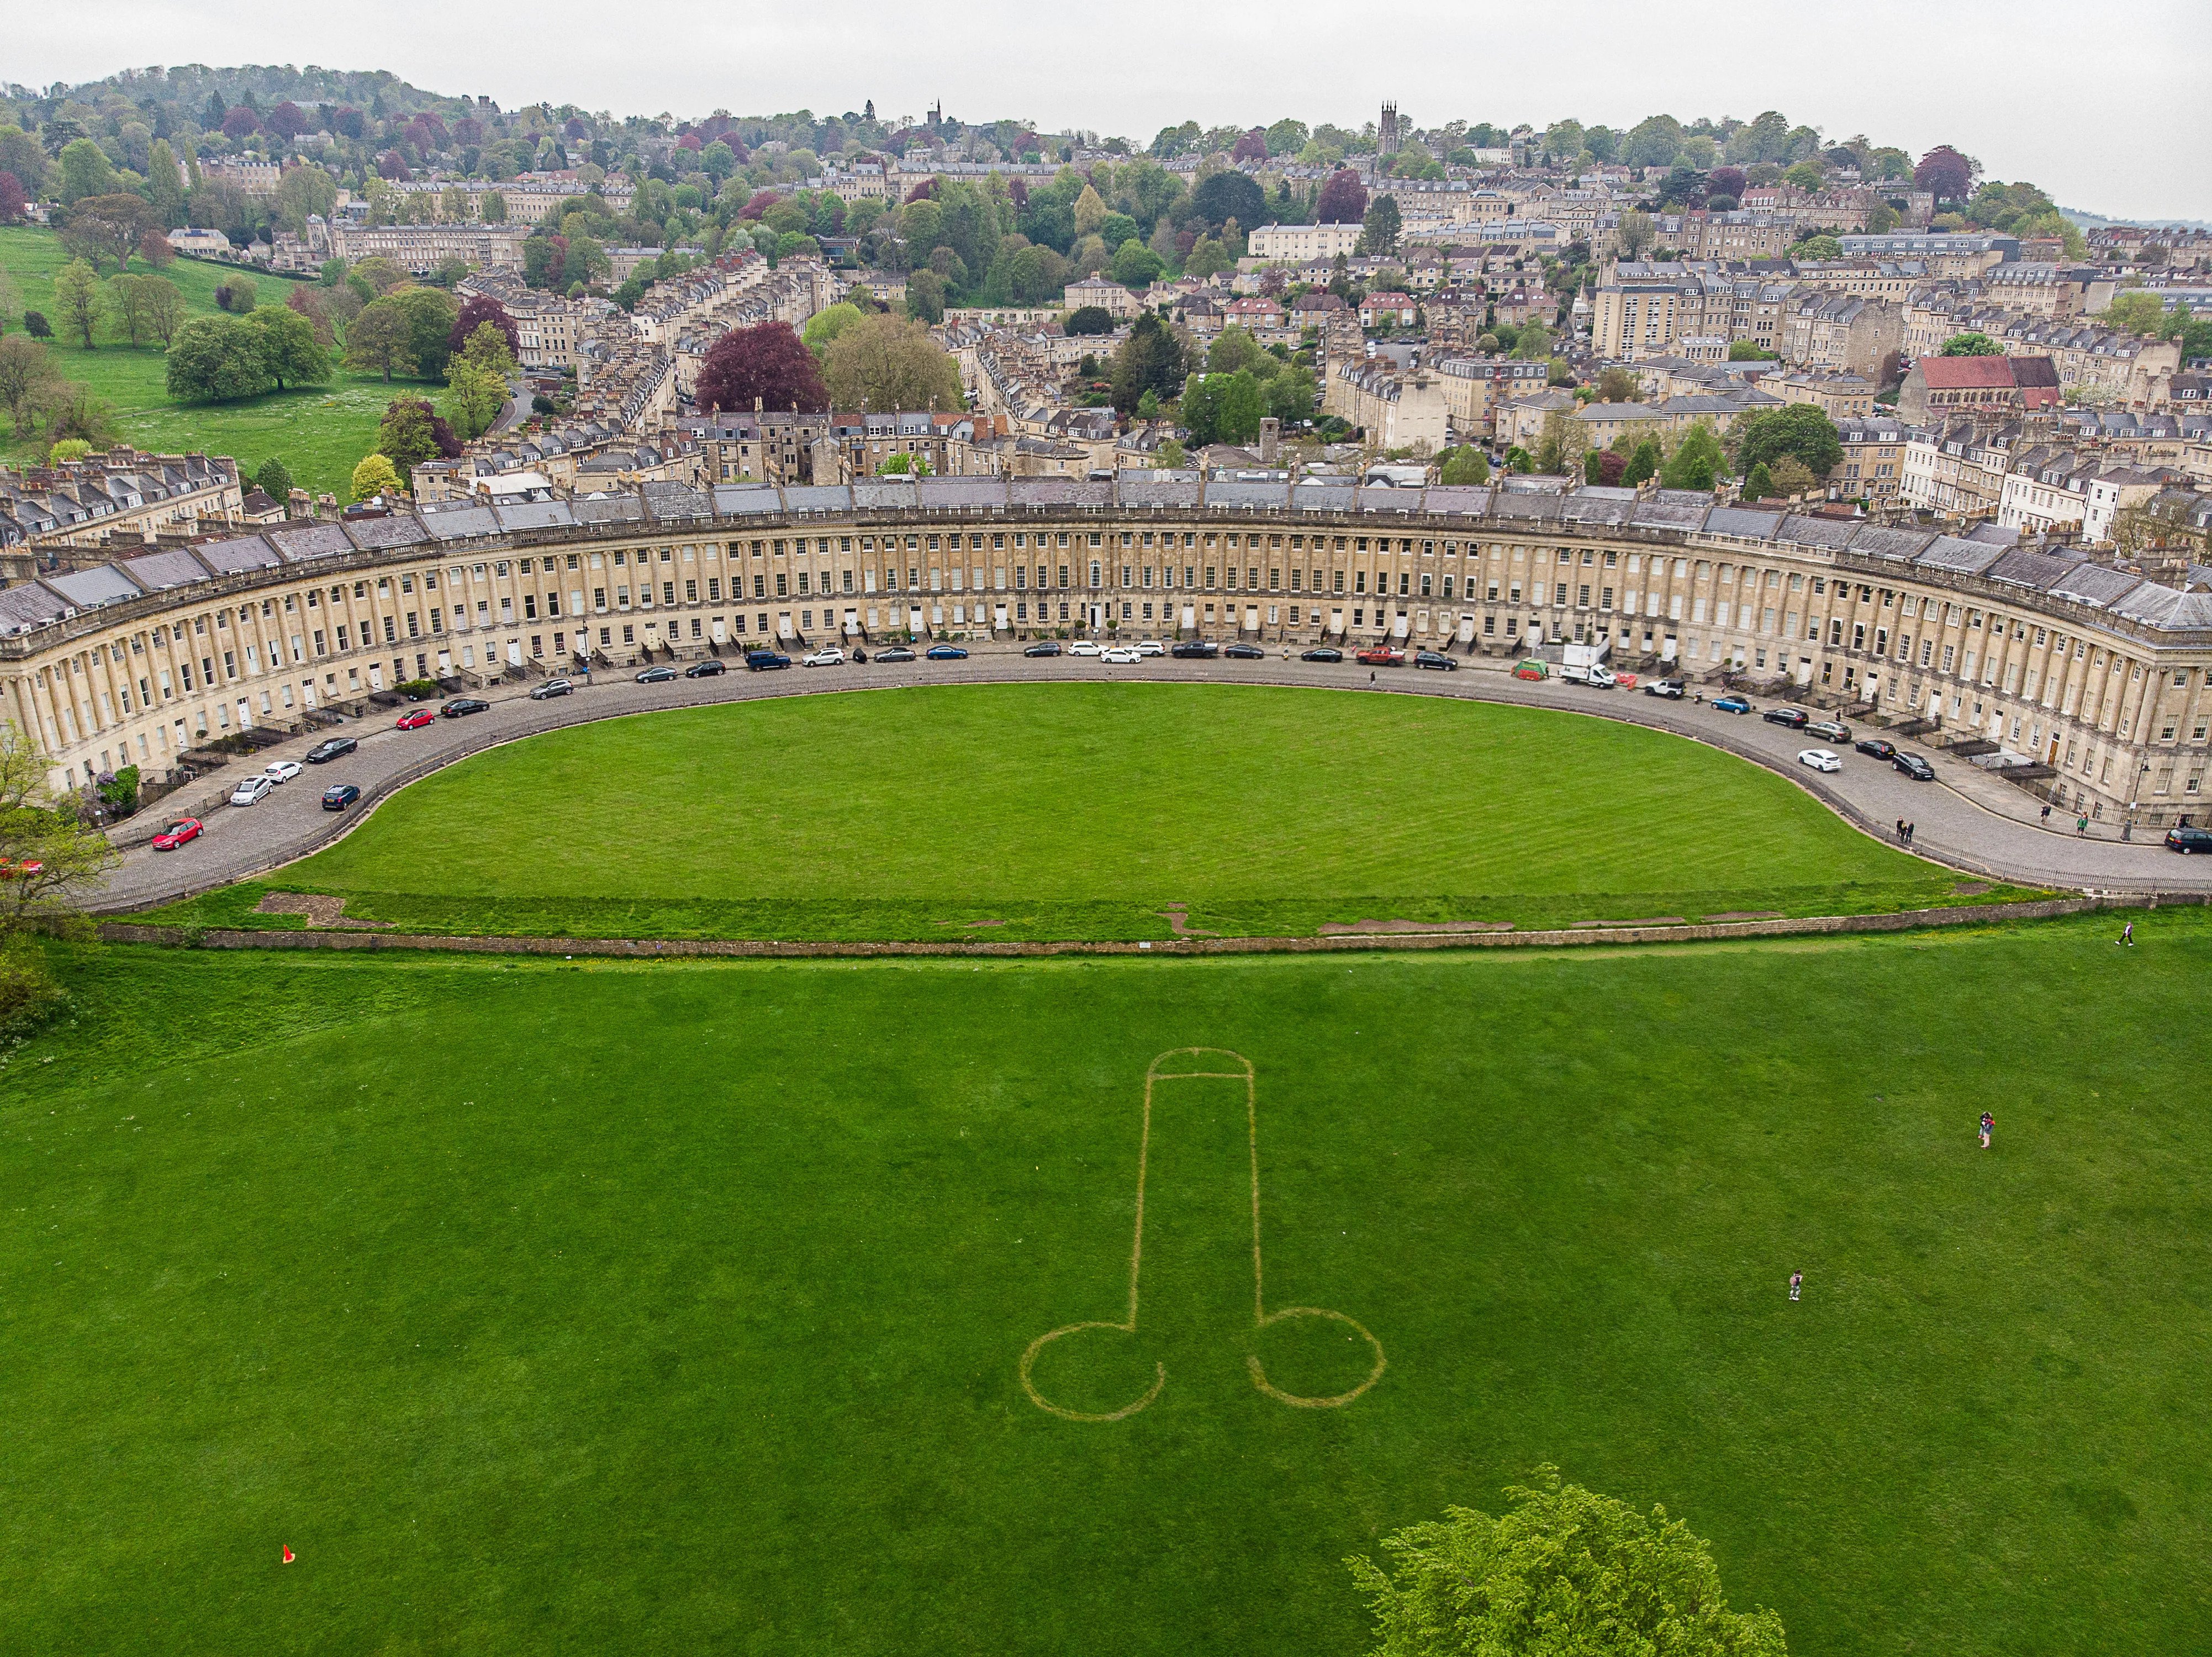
point(288, 1556)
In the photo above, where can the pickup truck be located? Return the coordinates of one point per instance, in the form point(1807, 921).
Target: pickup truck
point(1597, 676)
point(1381, 656)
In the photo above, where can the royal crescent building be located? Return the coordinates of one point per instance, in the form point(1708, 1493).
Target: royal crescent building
point(2096, 672)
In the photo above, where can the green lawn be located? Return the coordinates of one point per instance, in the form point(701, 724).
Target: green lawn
point(1085, 811)
point(318, 432)
point(679, 1306)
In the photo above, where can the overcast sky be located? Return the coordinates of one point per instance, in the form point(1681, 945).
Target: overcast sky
point(2107, 112)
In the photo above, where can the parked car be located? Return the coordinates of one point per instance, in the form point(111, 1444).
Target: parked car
point(553, 688)
point(1913, 766)
point(1820, 759)
point(1596, 675)
point(1043, 647)
point(415, 718)
point(461, 707)
point(1731, 705)
point(1834, 731)
point(339, 795)
point(182, 832)
point(330, 749)
point(657, 675)
point(945, 654)
point(280, 772)
point(895, 653)
point(1670, 688)
point(1437, 659)
point(763, 661)
point(1121, 655)
point(1151, 648)
point(1876, 746)
point(1322, 653)
point(251, 791)
point(1796, 718)
point(1244, 652)
point(712, 667)
point(828, 656)
point(1196, 650)
point(1085, 647)
point(1381, 656)
point(2178, 838)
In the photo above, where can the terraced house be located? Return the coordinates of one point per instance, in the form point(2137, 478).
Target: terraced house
point(2093, 670)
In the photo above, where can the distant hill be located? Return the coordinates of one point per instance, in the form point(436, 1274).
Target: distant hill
point(2096, 220)
point(270, 84)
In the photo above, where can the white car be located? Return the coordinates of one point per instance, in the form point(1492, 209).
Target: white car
point(251, 791)
point(280, 772)
point(1151, 647)
point(828, 656)
point(1820, 759)
point(1122, 654)
point(1084, 647)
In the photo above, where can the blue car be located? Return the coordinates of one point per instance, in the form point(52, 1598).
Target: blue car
point(1731, 705)
point(947, 653)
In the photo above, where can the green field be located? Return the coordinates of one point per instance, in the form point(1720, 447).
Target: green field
point(679, 1306)
point(318, 432)
point(1028, 812)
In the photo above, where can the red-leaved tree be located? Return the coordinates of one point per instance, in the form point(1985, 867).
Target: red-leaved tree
point(1251, 147)
point(288, 120)
point(13, 202)
point(1726, 181)
point(475, 311)
point(1343, 198)
point(768, 361)
point(1946, 173)
point(241, 123)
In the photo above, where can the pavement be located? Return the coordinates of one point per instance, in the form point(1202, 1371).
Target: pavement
point(1966, 819)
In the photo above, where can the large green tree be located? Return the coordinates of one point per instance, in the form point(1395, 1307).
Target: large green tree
point(49, 857)
point(1799, 430)
point(883, 363)
point(430, 314)
point(216, 360)
point(379, 340)
point(78, 304)
point(290, 353)
point(1565, 1572)
point(1379, 230)
point(1150, 360)
point(1972, 344)
point(1699, 461)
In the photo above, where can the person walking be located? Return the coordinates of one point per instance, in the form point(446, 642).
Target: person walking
point(2127, 935)
point(1900, 831)
point(2081, 825)
point(1911, 830)
point(2046, 811)
point(1989, 1126)
point(1796, 1283)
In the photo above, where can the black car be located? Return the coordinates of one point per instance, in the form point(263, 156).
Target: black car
point(1796, 718)
point(1322, 653)
point(1196, 650)
point(1244, 652)
point(660, 674)
point(324, 752)
point(1043, 647)
point(1876, 746)
point(1913, 766)
point(713, 666)
point(1437, 659)
point(895, 653)
point(2189, 839)
point(761, 661)
point(338, 796)
point(462, 707)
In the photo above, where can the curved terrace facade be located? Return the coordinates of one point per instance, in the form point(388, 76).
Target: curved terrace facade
point(2094, 671)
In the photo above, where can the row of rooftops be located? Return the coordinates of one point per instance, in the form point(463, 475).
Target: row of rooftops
point(1988, 552)
point(55, 500)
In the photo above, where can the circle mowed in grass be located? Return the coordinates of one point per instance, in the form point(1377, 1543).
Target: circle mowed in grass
point(978, 809)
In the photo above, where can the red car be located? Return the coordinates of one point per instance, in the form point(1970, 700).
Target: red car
point(183, 829)
point(1381, 656)
point(10, 871)
point(415, 720)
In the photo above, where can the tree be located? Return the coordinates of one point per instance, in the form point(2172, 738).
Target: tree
point(28, 379)
point(474, 396)
point(1136, 265)
point(1227, 196)
point(476, 310)
point(1379, 230)
point(374, 476)
point(1635, 234)
point(1642, 461)
point(1617, 384)
point(1465, 467)
point(1089, 319)
point(156, 249)
point(52, 856)
point(164, 184)
point(107, 228)
point(1945, 174)
point(290, 353)
point(431, 314)
point(1534, 343)
point(411, 432)
point(1972, 344)
point(884, 363)
point(36, 325)
point(1699, 461)
point(1796, 429)
point(379, 342)
point(305, 191)
point(1565, 1572)
point(1818, 248)
point(14, 203)
point(77, 300)
point(1791, 477)
point(1750, 350)
point(216, 360)
point(1760, 485)
point(85, 171)
point(823, 327)
point(1556, 443)
point(925, 296)
point(767, 362)
point(489, 350)
point(274, 480)
point(1343, 199)
point(2137, 311)
point(1150, 358)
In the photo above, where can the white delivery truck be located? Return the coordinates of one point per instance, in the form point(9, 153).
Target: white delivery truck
point(1585, 665)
